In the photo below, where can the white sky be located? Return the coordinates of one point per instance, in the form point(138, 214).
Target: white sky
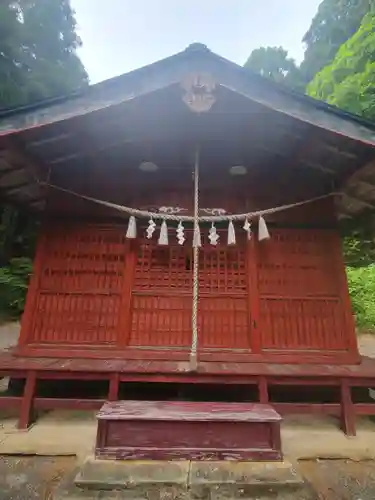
point(121, 35)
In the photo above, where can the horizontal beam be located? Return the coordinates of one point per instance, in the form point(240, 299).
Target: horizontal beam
point(359, 200)
point(15, 188)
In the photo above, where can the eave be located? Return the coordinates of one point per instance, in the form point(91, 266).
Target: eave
point(309, 135)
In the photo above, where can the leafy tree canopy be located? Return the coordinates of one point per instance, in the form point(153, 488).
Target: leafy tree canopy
point(38, 43)
point(38, 60)
point(274, 63)
point(349, 81)
point(334, 23)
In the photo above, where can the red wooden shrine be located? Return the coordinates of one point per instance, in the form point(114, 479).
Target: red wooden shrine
point(97, 294)
point(101, 306)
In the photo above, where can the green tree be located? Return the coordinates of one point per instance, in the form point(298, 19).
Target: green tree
point(38, 60)
point(334, 23)
point(275, 64)
point(349, 81)
point(38, 44)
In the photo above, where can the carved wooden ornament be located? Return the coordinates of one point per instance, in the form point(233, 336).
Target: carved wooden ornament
point(199, 92)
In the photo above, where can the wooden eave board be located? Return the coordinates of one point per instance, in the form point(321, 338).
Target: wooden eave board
point(172, 70)
point(333, 124)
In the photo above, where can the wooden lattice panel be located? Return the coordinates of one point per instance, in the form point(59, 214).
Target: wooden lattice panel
point(300, 296)
point(223, 322)
point(302, 324)
point(298, 263)
point(80, 286)
point(162, 296)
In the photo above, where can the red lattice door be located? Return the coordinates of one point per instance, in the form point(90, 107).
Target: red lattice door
point(162, 297)
point(80, 287)
point(301, 295)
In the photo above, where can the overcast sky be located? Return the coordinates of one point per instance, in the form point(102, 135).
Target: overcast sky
point(121, 35)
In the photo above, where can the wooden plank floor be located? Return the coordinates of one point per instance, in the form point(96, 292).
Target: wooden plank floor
point(12, 363)
point(262, 375)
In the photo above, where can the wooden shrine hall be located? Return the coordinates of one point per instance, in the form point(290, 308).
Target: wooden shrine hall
point(190, 214)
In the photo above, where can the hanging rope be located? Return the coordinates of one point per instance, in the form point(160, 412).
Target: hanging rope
point(194, 316)
point(189, 218)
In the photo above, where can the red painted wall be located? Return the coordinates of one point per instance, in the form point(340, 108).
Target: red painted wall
point(93, 289)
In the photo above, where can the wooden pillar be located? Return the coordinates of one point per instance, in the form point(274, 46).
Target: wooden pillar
point(263, 390)
point(113, 387)
point(347, 409)
point(253, 295)
point(32, 292)
point(351, 337)
point(127, 290)
point(25, 418)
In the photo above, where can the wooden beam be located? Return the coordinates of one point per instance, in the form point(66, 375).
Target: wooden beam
point(361, 181)
point(16, 187)
point(17, 154)
point(359, 200)
point(337, 151)
point(49, 140)
point(317, 166)
point(11, 170)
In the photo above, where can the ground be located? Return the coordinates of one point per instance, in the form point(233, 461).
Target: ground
point(345, 468)
point(31, 478)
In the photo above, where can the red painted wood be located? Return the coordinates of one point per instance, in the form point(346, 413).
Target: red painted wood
point(263, 390)
point(162, 297)
point(126, 303)
point(187, 411)
point(10, 402)
point(253, 295)
point(195, 431)
point(348, 311)
point(67, 404)
point(347, 409)
point(80, 287)
point(26, 410)
point(302, 304)
point(32, 293)
point(113, 387)
point(308, 408)
point(343, 377)
point(93, 298)
point(298, 357)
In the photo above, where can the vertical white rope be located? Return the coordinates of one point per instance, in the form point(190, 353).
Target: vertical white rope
point(194, 317)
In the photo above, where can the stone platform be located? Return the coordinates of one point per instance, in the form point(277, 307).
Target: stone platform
point(183, 480)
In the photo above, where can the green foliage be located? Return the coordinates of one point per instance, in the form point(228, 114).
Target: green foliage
point(38, 43)
point(38, 60)
point(334, 23)
point(349, 82)
point(14, 279)
point(274, 63)
point(362, 291)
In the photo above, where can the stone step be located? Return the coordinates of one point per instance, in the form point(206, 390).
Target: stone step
point(184, 480)
point(180, 430)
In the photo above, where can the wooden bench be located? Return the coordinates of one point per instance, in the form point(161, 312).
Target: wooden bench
point(170, 430)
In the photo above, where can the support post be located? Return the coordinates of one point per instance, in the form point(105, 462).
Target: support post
point(263, 390)
point(347, 409)
point(25, 418)
point(113, 387)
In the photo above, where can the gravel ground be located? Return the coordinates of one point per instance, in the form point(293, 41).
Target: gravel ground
point(35, 478)
point(341, 480)
point(31, 478)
